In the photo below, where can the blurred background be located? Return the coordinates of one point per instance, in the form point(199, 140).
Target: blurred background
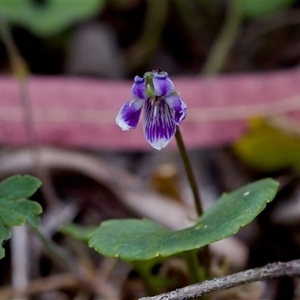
point(119, 39)
point(66, 69)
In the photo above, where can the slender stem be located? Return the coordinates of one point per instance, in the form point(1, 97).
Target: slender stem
point(143, 50)
point(189, 172)
point(224, 42)
point(196, 272)
point(148, 279)
point(59, 254)
point(190, 256)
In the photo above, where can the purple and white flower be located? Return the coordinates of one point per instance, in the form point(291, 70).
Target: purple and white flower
point(163, 108)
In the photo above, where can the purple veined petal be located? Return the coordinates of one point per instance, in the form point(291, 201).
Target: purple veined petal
point(163, 85)
point(139, 90)
point(159, 125)
point(129, 114)
point(178, 106)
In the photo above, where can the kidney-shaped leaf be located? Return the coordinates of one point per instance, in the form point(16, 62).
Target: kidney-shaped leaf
point(15, 209)
point(135, 239)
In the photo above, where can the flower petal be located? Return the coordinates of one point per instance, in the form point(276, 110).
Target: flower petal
point(179, 107)
point(129, 114)
point(163, 85)
point(138, 89)
point(159, 125)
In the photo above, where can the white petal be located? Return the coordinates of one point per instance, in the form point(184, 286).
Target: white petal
point(129, 114)
point(159, 125)
point(179, 107)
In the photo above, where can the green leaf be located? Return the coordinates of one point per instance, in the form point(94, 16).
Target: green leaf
point(254, 9)
point(15, 209)
point(134, 239)
point(268, 148)
point(50, 16)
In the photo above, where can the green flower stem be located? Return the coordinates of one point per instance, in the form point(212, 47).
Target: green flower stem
point(56, 252)
point(144, 49)
point(224, 42)
point(196, 272)
point(191, 258)
point(147, 277)
point(189, 172)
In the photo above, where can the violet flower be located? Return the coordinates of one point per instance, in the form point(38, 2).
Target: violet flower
point(163, 108)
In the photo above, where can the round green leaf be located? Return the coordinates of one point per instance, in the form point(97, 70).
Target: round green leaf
point(49, 16)
point(134, 239)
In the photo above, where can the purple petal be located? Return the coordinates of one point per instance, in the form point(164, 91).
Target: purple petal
point(163, 85)
point(129, 114)
point(179, 107)
point(138, 89)
point(159, 125)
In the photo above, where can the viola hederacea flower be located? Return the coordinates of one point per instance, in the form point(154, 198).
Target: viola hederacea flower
point(163, 108)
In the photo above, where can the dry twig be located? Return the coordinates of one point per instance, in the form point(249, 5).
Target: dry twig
point(278, 269)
